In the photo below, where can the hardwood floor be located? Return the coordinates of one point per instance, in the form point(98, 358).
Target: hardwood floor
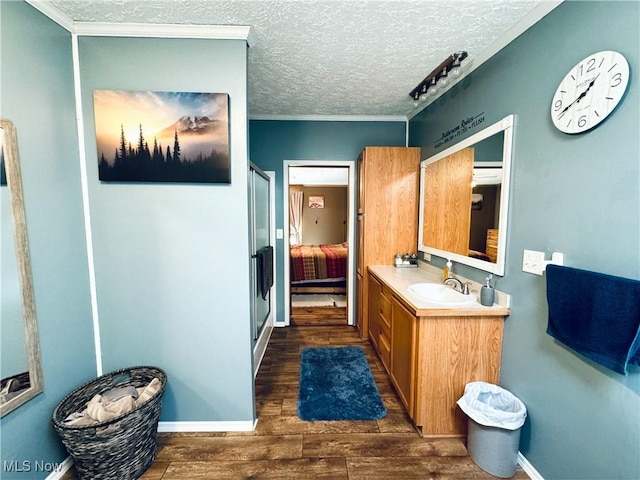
point(313, 316)
point(284, 447)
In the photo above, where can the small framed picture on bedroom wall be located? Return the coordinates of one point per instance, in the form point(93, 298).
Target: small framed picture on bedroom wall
point(316, 201)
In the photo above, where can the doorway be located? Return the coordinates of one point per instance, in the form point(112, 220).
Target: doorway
point(319, 249)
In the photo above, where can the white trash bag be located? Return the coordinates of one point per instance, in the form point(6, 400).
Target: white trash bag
point(492, 406)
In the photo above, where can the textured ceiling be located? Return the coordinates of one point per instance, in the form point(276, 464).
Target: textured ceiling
point(329, 57)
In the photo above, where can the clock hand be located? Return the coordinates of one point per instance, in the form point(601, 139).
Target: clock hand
point(580, 97)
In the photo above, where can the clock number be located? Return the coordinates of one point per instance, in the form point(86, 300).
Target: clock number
point(558, 105)
point(617, 78)
point(591, 64)
point(582, 121)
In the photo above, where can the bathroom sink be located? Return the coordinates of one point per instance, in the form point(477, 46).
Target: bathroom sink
point(441, 294)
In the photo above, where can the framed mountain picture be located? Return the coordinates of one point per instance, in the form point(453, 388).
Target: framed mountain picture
point(146, 136)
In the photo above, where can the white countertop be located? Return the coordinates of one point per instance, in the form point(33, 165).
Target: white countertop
point(399, 279)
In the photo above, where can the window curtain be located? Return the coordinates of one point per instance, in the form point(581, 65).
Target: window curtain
point(295, 217)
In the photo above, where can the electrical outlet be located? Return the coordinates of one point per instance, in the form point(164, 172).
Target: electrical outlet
point(533, 262)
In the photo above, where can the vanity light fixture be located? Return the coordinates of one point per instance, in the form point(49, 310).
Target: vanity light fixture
point(456, 68)
point(433, 88)
point(439, 78)
point(443, 81)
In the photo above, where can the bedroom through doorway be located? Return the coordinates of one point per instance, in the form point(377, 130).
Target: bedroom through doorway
point(319, 208)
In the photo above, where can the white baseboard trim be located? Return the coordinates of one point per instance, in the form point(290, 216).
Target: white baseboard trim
point(63, 468)
point(244, 426)
point(528, 468)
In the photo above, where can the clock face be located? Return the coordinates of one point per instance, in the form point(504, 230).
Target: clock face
point(590, 92)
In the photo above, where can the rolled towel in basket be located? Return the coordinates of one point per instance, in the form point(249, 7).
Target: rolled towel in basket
point(98, 411)
point(113, 403)
point(79, 419)
point(146, 393)
point(103, 411)
point(119, 392)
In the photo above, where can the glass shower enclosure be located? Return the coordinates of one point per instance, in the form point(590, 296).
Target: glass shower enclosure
point(260, 227)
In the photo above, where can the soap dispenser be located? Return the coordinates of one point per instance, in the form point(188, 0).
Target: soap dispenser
point(487, 293)
point(448, 270)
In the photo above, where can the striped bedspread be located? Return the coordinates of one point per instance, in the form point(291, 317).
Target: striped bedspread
point(317, 262)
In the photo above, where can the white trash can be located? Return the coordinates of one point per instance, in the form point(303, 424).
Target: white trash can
point(495, 418)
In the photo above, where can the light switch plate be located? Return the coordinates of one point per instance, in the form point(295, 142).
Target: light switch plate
point(533, 262)
point(279, 233)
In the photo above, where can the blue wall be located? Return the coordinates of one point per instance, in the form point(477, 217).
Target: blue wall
point(573, 194)
point(273, 142)
point(37, 95)
point(172, 260)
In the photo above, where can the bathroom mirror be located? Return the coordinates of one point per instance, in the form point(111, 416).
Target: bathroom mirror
point(20, 369)
point(464, 199)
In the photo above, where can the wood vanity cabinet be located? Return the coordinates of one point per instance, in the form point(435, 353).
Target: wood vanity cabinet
point(392, 334)
point(432, 355)
point(374, 310)
point(403, 350)
point(387, 214)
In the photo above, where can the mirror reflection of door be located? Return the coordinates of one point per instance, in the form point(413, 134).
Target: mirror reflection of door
point(447, 202)
point(484, 219)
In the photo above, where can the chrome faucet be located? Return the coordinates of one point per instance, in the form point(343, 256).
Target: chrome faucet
point(457, 285)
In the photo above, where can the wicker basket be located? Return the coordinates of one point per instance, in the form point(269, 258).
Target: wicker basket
point(121, 448)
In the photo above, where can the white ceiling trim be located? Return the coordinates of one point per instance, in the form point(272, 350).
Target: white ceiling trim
point(148, 30)
point(332, 118)
point(155, 30)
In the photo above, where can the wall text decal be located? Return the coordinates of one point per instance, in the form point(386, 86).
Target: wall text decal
point(463, 127)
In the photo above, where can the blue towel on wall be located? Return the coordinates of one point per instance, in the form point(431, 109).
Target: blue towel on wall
point(595, 314)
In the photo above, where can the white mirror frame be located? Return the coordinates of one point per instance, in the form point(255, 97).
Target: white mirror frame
point(505, 125)
point(14, 183)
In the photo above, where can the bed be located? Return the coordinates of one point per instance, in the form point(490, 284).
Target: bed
point(318, 273)
point(319, 265)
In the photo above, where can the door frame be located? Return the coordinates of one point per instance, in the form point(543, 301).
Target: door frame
point(351, 218)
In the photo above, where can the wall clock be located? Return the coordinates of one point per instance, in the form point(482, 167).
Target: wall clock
point(590, 92)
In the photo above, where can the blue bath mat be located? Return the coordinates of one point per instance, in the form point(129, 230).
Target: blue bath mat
point(336, 384)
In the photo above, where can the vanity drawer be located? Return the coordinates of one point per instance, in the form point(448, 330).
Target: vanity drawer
point(385, 303)
point(384, 349)
point(384, 327)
